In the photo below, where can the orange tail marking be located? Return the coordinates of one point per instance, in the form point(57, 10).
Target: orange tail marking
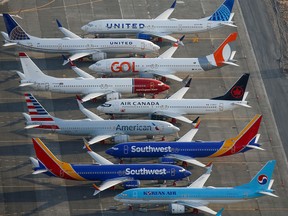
point(218, 54)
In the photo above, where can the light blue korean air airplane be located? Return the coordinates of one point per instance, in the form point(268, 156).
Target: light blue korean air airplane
point(198, 197)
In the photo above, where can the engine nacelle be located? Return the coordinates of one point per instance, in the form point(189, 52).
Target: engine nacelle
point(144, 36)
point(99, 56)
point(121, 138)
point(165, 160)
point(113, 96)
point(131, 184)
point(176, 208)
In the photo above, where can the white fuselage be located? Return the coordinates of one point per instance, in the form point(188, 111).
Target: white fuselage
point(169, 26)
point(107, 45)
point(150, 65)
point(183, 106)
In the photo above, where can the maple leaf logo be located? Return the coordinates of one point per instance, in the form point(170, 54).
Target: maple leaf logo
point(237, 92)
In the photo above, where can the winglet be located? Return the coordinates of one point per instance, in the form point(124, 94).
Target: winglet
point(58, 23)
point(196, 122)
point(71, 63)
point(86, 145)
point(219, 213)
point(188, 83)
point(173, 5)
point(179, 41)
point(97, 189)
point(79, 98)
point(208, 165)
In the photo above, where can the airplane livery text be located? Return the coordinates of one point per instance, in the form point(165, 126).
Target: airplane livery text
point(134, 128)
point(151, 149)
point(125, 25)
point(144, 171)
point(139, 103)
point(124, 66)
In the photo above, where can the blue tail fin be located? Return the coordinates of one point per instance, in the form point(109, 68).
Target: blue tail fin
point(261, 180)
point(14, 30)
point(223, 12)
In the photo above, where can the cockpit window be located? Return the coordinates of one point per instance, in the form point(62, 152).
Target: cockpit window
point(106, 105)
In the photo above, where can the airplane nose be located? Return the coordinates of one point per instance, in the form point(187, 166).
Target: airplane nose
point(155, 47)
point(100, 108)
point(92, 67)
point(117, 197)
point(109, 151)
point(84, 28)
point(175, 129)
point(187, 173)
point(166, 87)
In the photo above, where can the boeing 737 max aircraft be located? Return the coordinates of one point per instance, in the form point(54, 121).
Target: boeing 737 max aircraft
point(111, 174)
point(187, 150)
point(86, 84)
point(175, 106)
point(94, 126)
point(73, 44)
point(166, 66)
point(198, 197)
point(162, 26)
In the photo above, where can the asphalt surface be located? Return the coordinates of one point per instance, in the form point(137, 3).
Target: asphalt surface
point(22, 193)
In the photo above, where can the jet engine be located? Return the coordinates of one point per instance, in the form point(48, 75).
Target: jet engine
point(121, 138)
point(99, 56)
point(144, 36)
point(165, 160)
point(176, 208)
point(113, 96)
point(131, 184)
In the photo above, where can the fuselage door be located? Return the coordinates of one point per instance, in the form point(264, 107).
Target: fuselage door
point(126, 149)
point(142, 46)
point(135, 194)
point(221, 107)
point(46, 86)
point(173, 172)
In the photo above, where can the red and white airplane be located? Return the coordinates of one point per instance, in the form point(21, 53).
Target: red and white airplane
point(86, 84)
point(166, 66)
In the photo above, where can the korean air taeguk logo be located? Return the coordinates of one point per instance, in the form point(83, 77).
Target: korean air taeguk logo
point(262, 179)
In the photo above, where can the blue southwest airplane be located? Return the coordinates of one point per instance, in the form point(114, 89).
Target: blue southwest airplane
point(198, 197)
point(112, 174)
point(187, 150)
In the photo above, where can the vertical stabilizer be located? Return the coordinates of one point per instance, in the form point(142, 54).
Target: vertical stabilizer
point(223, 12)
point(14, 30)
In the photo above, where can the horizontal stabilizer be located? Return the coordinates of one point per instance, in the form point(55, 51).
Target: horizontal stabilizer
point(229, 24)
point(31, 126)
point(39, 171)
point(9, 44)
point(25, 84)
point(243, 104)
point(255, 147)
point(230, 63)
point(268, 193)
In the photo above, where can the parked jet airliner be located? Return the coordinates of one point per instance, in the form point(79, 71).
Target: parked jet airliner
point(85, 84)
point(162, 26)
point(111, 174)
point(175, 106)
point(198, 197)
point(166, 66)
point(187, 150)
point(94, 126)
point(73, 44)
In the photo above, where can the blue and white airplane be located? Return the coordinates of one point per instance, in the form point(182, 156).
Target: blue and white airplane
point(162, 26)
point(186, 150)
point(73, 44)
point(198, 197)
point(111, 174)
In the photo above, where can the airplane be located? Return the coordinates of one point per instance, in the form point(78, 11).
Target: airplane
point(187, 150)
point(166, 66)
point(94, 126)
point(73, 44)
point(86, 84)
point(175, 106)
point(163, 26)
point(199, 197)
point(111, 174)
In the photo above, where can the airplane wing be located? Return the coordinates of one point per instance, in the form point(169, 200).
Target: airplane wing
point(99, 138)
point(199, 183)
point(87, 112)
point(201, 206)
point(77, 56)
point(80, 72)
point(168, 53)
point(174, 115)
point(185, 158)
point(188, 137)
point(93, 95)
point(165, 15)
point(170, 76)
point(100, 160)
point(66, 32)
point(109, 183)
point(181, 92)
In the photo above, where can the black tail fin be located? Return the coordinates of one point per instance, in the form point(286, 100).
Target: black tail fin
point(236, 92)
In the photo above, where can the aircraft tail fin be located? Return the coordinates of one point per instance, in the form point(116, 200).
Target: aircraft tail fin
point(262, 182)
point(14, 30)
point(30, 69)
point(223, 54)
point(223, 12)
point(237, 91)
